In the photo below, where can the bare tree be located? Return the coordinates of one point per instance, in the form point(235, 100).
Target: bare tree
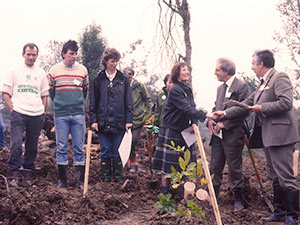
point(172, 38)
point(289, 35)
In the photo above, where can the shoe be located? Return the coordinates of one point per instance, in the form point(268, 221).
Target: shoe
point(106, 171)
point(217, 191)
point(118, 171)
point(15, 180)
point(62, 174)
point(238, 200)
point(274, 218)
point(292, 207)
point(290, 221)
point(27, 174)
point(79, 173)
point(164, 190)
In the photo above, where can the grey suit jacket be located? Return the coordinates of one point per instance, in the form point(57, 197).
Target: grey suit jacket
point(233, 131)
point(278, 124)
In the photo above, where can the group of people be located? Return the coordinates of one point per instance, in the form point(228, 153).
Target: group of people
point(273, 129)
point(119, 103)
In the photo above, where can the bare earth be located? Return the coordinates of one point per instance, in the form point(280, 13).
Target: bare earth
point(107, 204)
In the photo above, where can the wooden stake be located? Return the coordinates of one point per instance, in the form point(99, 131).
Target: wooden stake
point(295, 162)
point(207, 175)
point(87, 163)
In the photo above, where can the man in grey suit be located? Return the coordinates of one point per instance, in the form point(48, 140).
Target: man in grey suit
point(228, 148)
point(275, 130)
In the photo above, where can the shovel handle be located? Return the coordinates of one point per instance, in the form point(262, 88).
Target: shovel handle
point(87, 163)
point(252, 157)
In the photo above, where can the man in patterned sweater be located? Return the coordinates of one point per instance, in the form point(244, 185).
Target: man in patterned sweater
point(68, 81)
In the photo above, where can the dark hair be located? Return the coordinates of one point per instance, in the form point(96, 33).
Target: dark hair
point(265, 56)
point(175, 72)
point(166, 78)
point(227, 65)
point(109, 53)
point(72, 45)
point(31, 46)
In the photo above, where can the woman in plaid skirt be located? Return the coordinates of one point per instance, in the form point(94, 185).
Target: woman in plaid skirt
point(180, 113)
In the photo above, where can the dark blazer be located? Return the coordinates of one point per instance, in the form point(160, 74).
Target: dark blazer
point(111, 103)
point(234, 128)
point(278, 124)
point(180, 111)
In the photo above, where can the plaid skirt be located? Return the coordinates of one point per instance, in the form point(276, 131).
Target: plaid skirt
point(164, 156)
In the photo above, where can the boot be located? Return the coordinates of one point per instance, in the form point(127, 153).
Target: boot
point(79, 172)
point(27, 173)
point(62, 174)
point(164, 189)
point(106, 171)
point(217, 191)
point(16, 179)
point(118, 171)
point(238, 200)
point(279, 206)
point(292, 207)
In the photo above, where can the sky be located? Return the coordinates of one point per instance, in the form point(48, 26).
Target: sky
point(219, 28)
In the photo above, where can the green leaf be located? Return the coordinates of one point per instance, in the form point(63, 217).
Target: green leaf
point(172, 143)
point(180, 211)
point(191, 204)
point(181, 163)
point(199, 169)
point(187, 157)
point(191, 166)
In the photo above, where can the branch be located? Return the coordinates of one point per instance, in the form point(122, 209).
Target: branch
point(171, 6)
point(6, 184)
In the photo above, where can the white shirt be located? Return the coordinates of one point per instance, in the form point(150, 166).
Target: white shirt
point(26, 85)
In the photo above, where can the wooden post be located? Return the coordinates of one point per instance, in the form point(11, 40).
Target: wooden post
point(207, 175)
point(295, 162)
point(87, 163)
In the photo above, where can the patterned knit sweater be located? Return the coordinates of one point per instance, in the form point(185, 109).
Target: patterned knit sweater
point(68, 88)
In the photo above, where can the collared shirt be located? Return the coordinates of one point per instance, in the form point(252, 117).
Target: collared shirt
point(229, 83)
point(264, 78)
point(112, 76)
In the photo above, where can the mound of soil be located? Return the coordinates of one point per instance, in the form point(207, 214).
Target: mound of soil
point(44, 203)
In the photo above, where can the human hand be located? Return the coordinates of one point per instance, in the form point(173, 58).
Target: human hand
point(219, 127)
point(211, 124)
point(94, 126)
point(128, 126)
point(255, 108)
point(216, 115)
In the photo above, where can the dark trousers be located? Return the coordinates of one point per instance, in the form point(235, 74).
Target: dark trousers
point(109, 146)
point(135, 138)
point(32, 125)
point(220, 153)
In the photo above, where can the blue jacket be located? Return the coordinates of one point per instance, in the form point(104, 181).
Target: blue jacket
point(111, 103)
point(180, 111)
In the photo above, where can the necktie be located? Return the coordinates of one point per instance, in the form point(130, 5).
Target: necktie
point(222, 96)
point(257, 122)
point(261, 81)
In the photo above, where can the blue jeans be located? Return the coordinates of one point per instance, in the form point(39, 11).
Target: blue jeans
point(2, 133)
point(109, 146)
point(32, 125)
point(65, 125)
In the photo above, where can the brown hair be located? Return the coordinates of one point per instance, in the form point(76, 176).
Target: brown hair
point(176, 71)
point(31, 46)
point(109, 53)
